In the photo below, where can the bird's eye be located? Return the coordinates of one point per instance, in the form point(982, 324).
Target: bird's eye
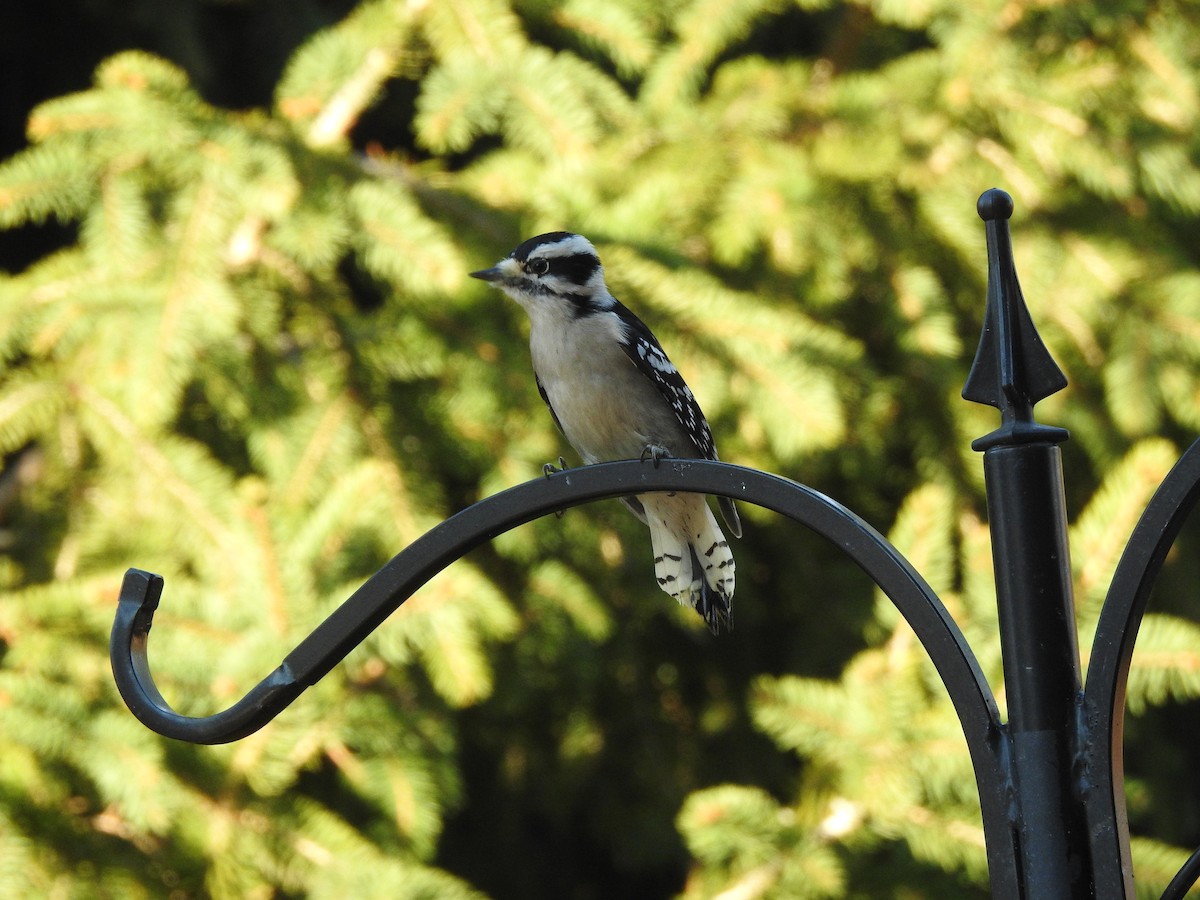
point(539, 266)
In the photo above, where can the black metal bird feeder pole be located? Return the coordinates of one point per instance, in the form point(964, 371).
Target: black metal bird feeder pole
point(1050, 779)
point(1028, 523)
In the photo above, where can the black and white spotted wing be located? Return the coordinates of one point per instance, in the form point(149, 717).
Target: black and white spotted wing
point(643, 348)
point(648, 355)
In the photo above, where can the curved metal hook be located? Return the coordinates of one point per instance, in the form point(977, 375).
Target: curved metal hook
point(140, 593)
point(367, 608)
point(359, 615)
point(1108, 670)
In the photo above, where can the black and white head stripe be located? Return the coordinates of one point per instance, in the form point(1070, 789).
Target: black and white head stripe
point(557, 264)
point(555, 245)
point(648, 355)
point(563, 263)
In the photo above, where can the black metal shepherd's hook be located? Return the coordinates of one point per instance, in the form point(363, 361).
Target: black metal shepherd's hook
point(1050, 779)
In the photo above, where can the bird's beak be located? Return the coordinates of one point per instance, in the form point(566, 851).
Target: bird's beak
point(492, 274)
point(507, 270)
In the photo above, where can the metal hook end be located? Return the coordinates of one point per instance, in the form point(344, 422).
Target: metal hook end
point(140, 595)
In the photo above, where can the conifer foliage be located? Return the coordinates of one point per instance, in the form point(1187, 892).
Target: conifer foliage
point(257, 367)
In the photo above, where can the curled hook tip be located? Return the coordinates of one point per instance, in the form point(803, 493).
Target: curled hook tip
point(995, 204)
point(142, 588)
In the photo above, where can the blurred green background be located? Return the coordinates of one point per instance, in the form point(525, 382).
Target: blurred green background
point(240, 349)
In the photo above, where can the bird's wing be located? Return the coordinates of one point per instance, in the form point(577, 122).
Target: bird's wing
point(644, 350)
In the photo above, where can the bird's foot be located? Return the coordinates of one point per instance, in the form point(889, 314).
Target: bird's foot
point(655, 453)
point(550, 469)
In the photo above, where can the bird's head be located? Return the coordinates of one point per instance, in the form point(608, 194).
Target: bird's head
point(558, 270)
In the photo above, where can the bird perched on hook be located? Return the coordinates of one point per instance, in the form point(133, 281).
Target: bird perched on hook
point(614, 394)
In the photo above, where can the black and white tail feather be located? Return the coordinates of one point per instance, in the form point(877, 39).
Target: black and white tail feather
point(614, 394)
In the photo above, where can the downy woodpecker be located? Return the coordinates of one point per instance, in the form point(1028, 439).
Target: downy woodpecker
point(614, 394)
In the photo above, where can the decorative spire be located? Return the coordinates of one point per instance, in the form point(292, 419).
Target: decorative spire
point(1013, 370)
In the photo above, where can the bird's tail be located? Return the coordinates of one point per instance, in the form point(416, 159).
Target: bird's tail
point(692, 560)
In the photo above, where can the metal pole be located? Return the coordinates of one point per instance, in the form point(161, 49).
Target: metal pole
point(1041, 664)
point(1027, 519)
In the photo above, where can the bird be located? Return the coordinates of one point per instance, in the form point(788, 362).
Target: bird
point(614, 394)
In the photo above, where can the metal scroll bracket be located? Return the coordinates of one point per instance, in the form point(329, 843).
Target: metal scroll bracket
point(372, 603)
point(1050, 779)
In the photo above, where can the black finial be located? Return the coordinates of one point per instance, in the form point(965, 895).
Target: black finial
point(994, 204)
point(1013, 370)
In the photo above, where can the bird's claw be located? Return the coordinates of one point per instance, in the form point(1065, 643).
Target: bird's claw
point(654, 453)
point(549, 469)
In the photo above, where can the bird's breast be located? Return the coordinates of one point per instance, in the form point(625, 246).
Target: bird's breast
point(607, 408)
